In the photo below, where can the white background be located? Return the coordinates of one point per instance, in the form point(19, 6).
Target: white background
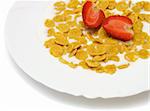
point(18, 92)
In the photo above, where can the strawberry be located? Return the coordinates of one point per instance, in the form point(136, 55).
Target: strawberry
point(92, 17)
point(119, 27)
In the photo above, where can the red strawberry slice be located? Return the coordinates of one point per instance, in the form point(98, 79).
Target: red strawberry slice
point(92, 17)
point(119, 27)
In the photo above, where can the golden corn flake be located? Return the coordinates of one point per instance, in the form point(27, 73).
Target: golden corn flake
point(143, 53)
point(131, 56)
point(49, 43)
point(68, 18)
point(72, 65)
point(142, 17)
point(90, 37)
point(137, 26)
point(134, 17)
point(138, 7)
point(71, 23)
point(139, 38)
point(103, 4)
point(56, 50)
point(81, 55)
point(123, 66)
point(113, 50)
point(74, 33)
point(147, 18)
point(99, 58)
point(73, 53)
point(92, 63)
point(111, 41)
point(147, 6)
point(58, 34)
point(49, 23)
point(59, 18)
point(82, 40)
point(110, 69)
point(63, 27)
point(99, 40)
point(68, 12)
point(102, 32)
point(60, 5)
point(62, 60)
point(97, 68)
point(146, 46)
point(83, 64)
point(78, 10)
point(127, 12)
point(108, 13)
point(114, 58)
point(112, 4)
point(131, 48)
point(100, 70)
point(72, 46)
point(73, 3)
point(51, 32)
point(141, 3)
point(122, 48)
point(96, 50)
point(61, 40)
point(121, 6)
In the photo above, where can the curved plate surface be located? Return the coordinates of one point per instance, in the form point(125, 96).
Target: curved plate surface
point(25, 35)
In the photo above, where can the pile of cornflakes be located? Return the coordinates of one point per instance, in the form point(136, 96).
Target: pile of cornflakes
point(94, 49)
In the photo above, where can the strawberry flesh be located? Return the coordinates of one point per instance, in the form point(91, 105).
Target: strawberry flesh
point(92, 17)
point(119, 27)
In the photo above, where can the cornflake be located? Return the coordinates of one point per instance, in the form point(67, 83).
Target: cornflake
point(51, 32)
point(59, 6)
point(63, 27)
point(73, 3)
point(111, 4)
point(81, 55)
point(131, 56)
point(84, 65)
point(138, 26)
point(49, 23)
point(49, 43)
point(61, 40)
point(92, 63)
point(110, 69)
point(74, 33)
point(137, 7)
point(143, 53)
point(99, 58)
point(56, 50)
point(123, 66)
point(59, 18)
point(122, 6)
point(103, 4)
point(147, 6)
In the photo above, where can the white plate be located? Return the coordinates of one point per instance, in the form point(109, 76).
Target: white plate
point(25, 35)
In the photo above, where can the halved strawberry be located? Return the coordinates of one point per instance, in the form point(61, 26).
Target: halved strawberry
point(119, 27)
point(92, 17)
